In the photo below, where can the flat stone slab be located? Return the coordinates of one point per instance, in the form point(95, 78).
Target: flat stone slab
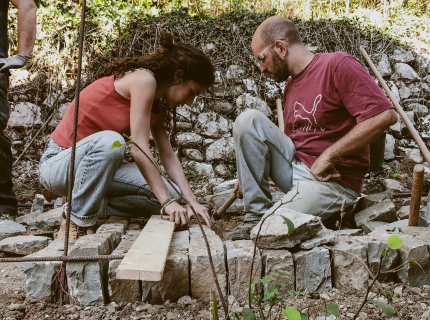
point(10, 228)
point(370, 200)
point(23, 245)
point(200, 273)
point(181, 239)
point(275, 260)
point(417, 250)
point(349, 232)
point(370, 226)
point(116, 228)
point(38, 275)
point(375, 245)
point(384, 211)
point(49, 220)
point(123, 290)
point(87, 280)
point(175, 281)
point(348, 271)
point(274, 232)
point(226, 185)
point(325, 236)
point(313, 270)
point(239, 258)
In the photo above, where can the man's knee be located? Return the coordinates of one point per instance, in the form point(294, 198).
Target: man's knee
point(245, 119)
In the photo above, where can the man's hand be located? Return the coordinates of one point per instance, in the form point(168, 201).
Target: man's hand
point(238, 190)
point(201, 210)
point(14, 62)
point(323, 169)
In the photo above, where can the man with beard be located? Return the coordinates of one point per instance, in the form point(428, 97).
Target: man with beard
point(26, 38)
point(333, 109)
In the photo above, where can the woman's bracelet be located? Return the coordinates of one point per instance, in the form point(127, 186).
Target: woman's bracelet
point(165, 205)
point(165, 202)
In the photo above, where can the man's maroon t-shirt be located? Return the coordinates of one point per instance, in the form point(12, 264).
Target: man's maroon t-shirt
point(323, 103)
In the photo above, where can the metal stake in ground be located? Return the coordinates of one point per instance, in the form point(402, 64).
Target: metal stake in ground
point(72, 156)
point(417, 187)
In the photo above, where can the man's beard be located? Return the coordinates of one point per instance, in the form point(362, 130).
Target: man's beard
point(280, 68)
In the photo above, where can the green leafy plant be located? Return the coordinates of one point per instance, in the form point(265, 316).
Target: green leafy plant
point(28, 193)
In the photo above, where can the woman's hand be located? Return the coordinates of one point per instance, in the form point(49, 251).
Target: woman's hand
point(201, 210)
point(177, 213)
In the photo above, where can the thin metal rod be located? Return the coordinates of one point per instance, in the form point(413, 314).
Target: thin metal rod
point(63, 258)
point(75, 130)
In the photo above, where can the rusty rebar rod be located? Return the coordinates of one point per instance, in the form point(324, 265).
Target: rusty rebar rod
point(63, 258)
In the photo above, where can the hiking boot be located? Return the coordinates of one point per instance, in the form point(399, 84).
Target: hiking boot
point(75, 231)
point(7, 216)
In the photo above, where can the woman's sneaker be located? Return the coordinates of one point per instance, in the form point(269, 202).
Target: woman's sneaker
point(75, 231)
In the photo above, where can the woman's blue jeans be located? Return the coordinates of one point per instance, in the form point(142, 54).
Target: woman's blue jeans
point(104, 186)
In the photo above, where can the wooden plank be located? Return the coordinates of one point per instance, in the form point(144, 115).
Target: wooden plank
point(147, 256)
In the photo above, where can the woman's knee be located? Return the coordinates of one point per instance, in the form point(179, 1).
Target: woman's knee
point(111, 143)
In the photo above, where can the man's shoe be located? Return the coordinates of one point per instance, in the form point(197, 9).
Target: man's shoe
point(75, 231)
point(7, 216)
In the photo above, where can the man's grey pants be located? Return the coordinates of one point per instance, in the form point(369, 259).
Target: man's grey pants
point(263, 151)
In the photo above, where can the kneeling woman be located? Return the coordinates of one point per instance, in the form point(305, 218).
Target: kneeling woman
point(132, 96)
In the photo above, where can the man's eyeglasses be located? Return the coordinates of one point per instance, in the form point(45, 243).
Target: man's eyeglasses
point(260, 58)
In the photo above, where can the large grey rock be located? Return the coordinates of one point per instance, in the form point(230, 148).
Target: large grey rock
point(23, 245)
point(374, 245)
point(24, 114)
point(399, 128)
point(38, 203)
point(175, 281)
point(250, 86)
point(209, 48)
point(313, 271)
point(394, 90)
point(221, 106)
point(389, 147)
point(193, 154)
point(200, 270)
point(384, 211)
point(116, 228)
point(226, 185)
point(181, 239)
point(348, 271)
point(186, 113)
point(271, 91)
point(49, 220)
point(404, 72)
point(87, 280)
point(246, 101)
point(222, 149)
point(38, 275)
point(123, 290)
point(384, 66)
point(414, 156)
point(419, 110)
point(274, 232)
point(10, 228)
point(393, 185)
point(325, 236)
point(404, 91)
point(189, 140)
point(239, 258)
point(371, 226)
point(370, 200)
point(422, 63)
point(212, 125)
point(222, 170)
point(414, 249)
point(235, 73)
point(275, 260)
point(205, 169)
point(402, 55)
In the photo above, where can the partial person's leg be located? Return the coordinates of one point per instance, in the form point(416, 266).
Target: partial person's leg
point(95, 166)
point(130, 196)
point(262, 151)
point(322, 199)
point(8, 201)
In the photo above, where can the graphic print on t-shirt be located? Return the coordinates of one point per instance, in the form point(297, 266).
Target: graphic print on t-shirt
point(309, 116)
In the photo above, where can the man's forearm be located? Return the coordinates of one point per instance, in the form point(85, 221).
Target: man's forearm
point(361, 135)
point(27, 26)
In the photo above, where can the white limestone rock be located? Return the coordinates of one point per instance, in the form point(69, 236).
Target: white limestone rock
point(274, 232)
point(393, 186)
point(389, 147)
point(189, 140)
point(221, 106)
point(246, 101)
point(235, 73)
point(205, 169)
point(404, 72)
point(250, 86)
point(415, 157)
point(23, 115)
point(226, 185)
point(194, 154)
point(212, 125)
point(384, 66)
point(222, 149)
point(222, 170)
point(402, 55)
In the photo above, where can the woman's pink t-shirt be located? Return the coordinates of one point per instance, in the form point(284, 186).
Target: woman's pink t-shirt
point(100, 108)
point(323, 103)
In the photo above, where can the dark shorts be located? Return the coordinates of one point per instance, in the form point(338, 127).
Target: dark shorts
point(8, 201)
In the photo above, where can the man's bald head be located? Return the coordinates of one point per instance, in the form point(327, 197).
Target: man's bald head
point(275, 28)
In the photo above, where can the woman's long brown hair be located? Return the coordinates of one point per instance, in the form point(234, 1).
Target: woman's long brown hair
point(163, 63)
